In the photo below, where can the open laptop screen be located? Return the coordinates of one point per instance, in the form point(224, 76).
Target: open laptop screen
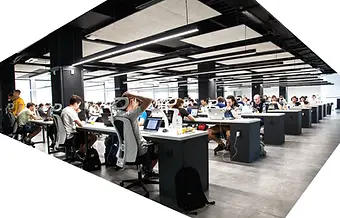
point(152, 123)
point(194, 112)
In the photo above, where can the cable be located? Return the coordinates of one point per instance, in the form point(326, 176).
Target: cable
point(236, 151)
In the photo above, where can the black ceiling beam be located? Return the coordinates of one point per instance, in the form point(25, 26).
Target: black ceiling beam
point(188, 52)
point(231, 68)
point(232, 76)
point(222, 57)
point(269, 78)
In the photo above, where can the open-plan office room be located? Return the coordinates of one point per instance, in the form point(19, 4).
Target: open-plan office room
point(170, 99)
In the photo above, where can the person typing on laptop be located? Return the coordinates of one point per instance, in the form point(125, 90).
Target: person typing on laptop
point(137, 105)
point(70, 119)
point(213, 132)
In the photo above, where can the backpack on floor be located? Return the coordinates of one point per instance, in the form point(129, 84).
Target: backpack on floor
point(189, 190)
point(111, 149)
point(91, 161)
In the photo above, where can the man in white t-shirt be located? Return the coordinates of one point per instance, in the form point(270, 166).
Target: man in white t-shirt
point(70, 119)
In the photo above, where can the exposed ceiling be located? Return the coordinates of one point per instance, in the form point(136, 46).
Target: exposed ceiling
point(239, 36)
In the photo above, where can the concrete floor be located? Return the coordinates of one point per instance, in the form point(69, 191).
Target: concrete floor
point(267, 188)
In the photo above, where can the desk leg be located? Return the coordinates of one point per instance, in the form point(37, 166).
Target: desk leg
point(86, 142)
point(43, 132)
point(48, 142)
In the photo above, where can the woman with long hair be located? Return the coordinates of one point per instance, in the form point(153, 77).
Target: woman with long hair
point(184, 113)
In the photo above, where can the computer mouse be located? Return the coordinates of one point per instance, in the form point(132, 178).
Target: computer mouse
point(165, 130)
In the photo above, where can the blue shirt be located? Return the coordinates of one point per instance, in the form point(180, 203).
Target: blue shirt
point(220, 105)
point(143, 115)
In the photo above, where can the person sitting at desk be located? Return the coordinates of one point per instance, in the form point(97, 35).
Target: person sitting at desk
point(143, 116)
point(258, 105)
point(303, 101)
point(295, 102)
point(41, 111)
point(231, 112)
point(274, 105)
point(184, 113)
point(26, 127)
point(220, 102)
point(204, 105)
point(70, 119)
point(132, 112)
point(282, 100)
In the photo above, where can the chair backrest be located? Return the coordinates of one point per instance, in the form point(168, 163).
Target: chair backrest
point(61, 132)
point(15, 127)
point(11, 119)
point(127, 142)
point(128, 147)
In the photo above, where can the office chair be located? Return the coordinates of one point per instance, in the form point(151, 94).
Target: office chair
point(128, 152)
point(18, 134)
point(61, 141)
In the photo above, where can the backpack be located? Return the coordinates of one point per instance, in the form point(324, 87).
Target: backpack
point(189, 190)
point(91, 161)
point(111, 150)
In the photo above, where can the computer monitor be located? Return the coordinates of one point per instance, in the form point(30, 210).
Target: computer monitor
point(152, 124)
point(106, 111)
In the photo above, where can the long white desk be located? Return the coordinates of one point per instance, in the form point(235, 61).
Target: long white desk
point(274, 131)
point(170, 135)
point(226, 121)
point(48, 182)
point(248, 144)
point(175, 151)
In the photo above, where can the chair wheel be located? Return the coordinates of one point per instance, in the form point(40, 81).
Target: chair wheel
point(121, 184)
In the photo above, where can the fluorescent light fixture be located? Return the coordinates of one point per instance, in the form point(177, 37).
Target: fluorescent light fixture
point(252, 17)
point(31, 60)
point(129, 48)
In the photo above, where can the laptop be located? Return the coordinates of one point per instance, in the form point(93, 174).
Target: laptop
point(194, 112)
point(106, 119)
point(216, 114)
point(152, 124)
point(92, 119)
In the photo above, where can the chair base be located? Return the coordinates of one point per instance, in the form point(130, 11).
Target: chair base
point(139, 183)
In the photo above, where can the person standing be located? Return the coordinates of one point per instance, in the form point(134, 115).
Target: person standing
point(19, 103)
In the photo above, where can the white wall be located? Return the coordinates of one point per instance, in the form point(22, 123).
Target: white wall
point(243, 92)
point(332, 92)
point(271, 91)
point(24, 87)
point(303, 91)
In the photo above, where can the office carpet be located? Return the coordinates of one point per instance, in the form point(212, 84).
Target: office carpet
point(267, 188)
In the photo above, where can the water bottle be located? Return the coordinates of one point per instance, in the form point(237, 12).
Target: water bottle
point(179, 123)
